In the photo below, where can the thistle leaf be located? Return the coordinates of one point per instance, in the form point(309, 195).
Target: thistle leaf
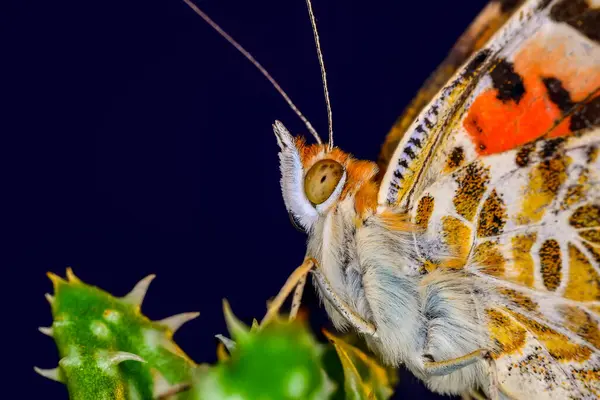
point(137, 294)
point(97, 336)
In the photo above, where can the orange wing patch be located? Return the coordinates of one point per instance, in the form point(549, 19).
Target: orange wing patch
point(545, 181)
point(508, 336)
point(455, 232)
point(518, 299)
point(537, 95)
point(584, 282)
point(489, 258)
point(581, 323)
point(523, 260)
point(491, 18)
point(558, 345)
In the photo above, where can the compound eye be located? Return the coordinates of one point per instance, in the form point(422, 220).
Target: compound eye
point(322, 179)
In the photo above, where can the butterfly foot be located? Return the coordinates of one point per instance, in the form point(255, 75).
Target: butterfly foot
point(445, 367)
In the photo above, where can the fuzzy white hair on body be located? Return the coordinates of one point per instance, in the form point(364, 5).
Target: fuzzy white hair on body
point(419, 318)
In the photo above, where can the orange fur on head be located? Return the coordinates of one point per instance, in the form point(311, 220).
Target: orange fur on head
point(308, 152)
point(365, 201)
point(360, 174)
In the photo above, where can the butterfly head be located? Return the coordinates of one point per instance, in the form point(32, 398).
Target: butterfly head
point(314, 178)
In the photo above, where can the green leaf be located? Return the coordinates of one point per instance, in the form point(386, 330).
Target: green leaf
point(364, 377)
point(108, 348)
point(281, 361)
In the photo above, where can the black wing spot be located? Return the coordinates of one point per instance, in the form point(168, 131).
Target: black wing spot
point(456, 158)
point(409, 152)
point(524, 155)
point(476, 62)
point(415, 141)
point(591, 153)
point(550, 147)
point(508, 83)
point(579, 15)
point(587, 116)
point(558, 94)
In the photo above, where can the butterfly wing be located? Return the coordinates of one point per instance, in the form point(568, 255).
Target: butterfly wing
point(501, 170)
point(489, 20)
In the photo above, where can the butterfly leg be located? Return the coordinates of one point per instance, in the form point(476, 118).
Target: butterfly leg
point(297, 299)
point(445, 367)
point(296, 278)
point(355, 320)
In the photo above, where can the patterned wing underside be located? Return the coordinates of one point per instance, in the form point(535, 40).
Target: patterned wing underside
point(501, 174)
point(533, 232)
point(534, 71)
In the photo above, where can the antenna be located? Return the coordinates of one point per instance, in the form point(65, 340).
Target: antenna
point(246, 54)
point(313, 22)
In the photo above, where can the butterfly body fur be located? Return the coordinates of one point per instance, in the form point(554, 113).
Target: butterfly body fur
point(368, 258)
point(483, 231)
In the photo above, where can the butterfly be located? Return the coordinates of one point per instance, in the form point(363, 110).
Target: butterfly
point(470, 252)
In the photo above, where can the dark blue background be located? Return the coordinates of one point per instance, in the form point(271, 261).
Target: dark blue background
point(138, 141)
